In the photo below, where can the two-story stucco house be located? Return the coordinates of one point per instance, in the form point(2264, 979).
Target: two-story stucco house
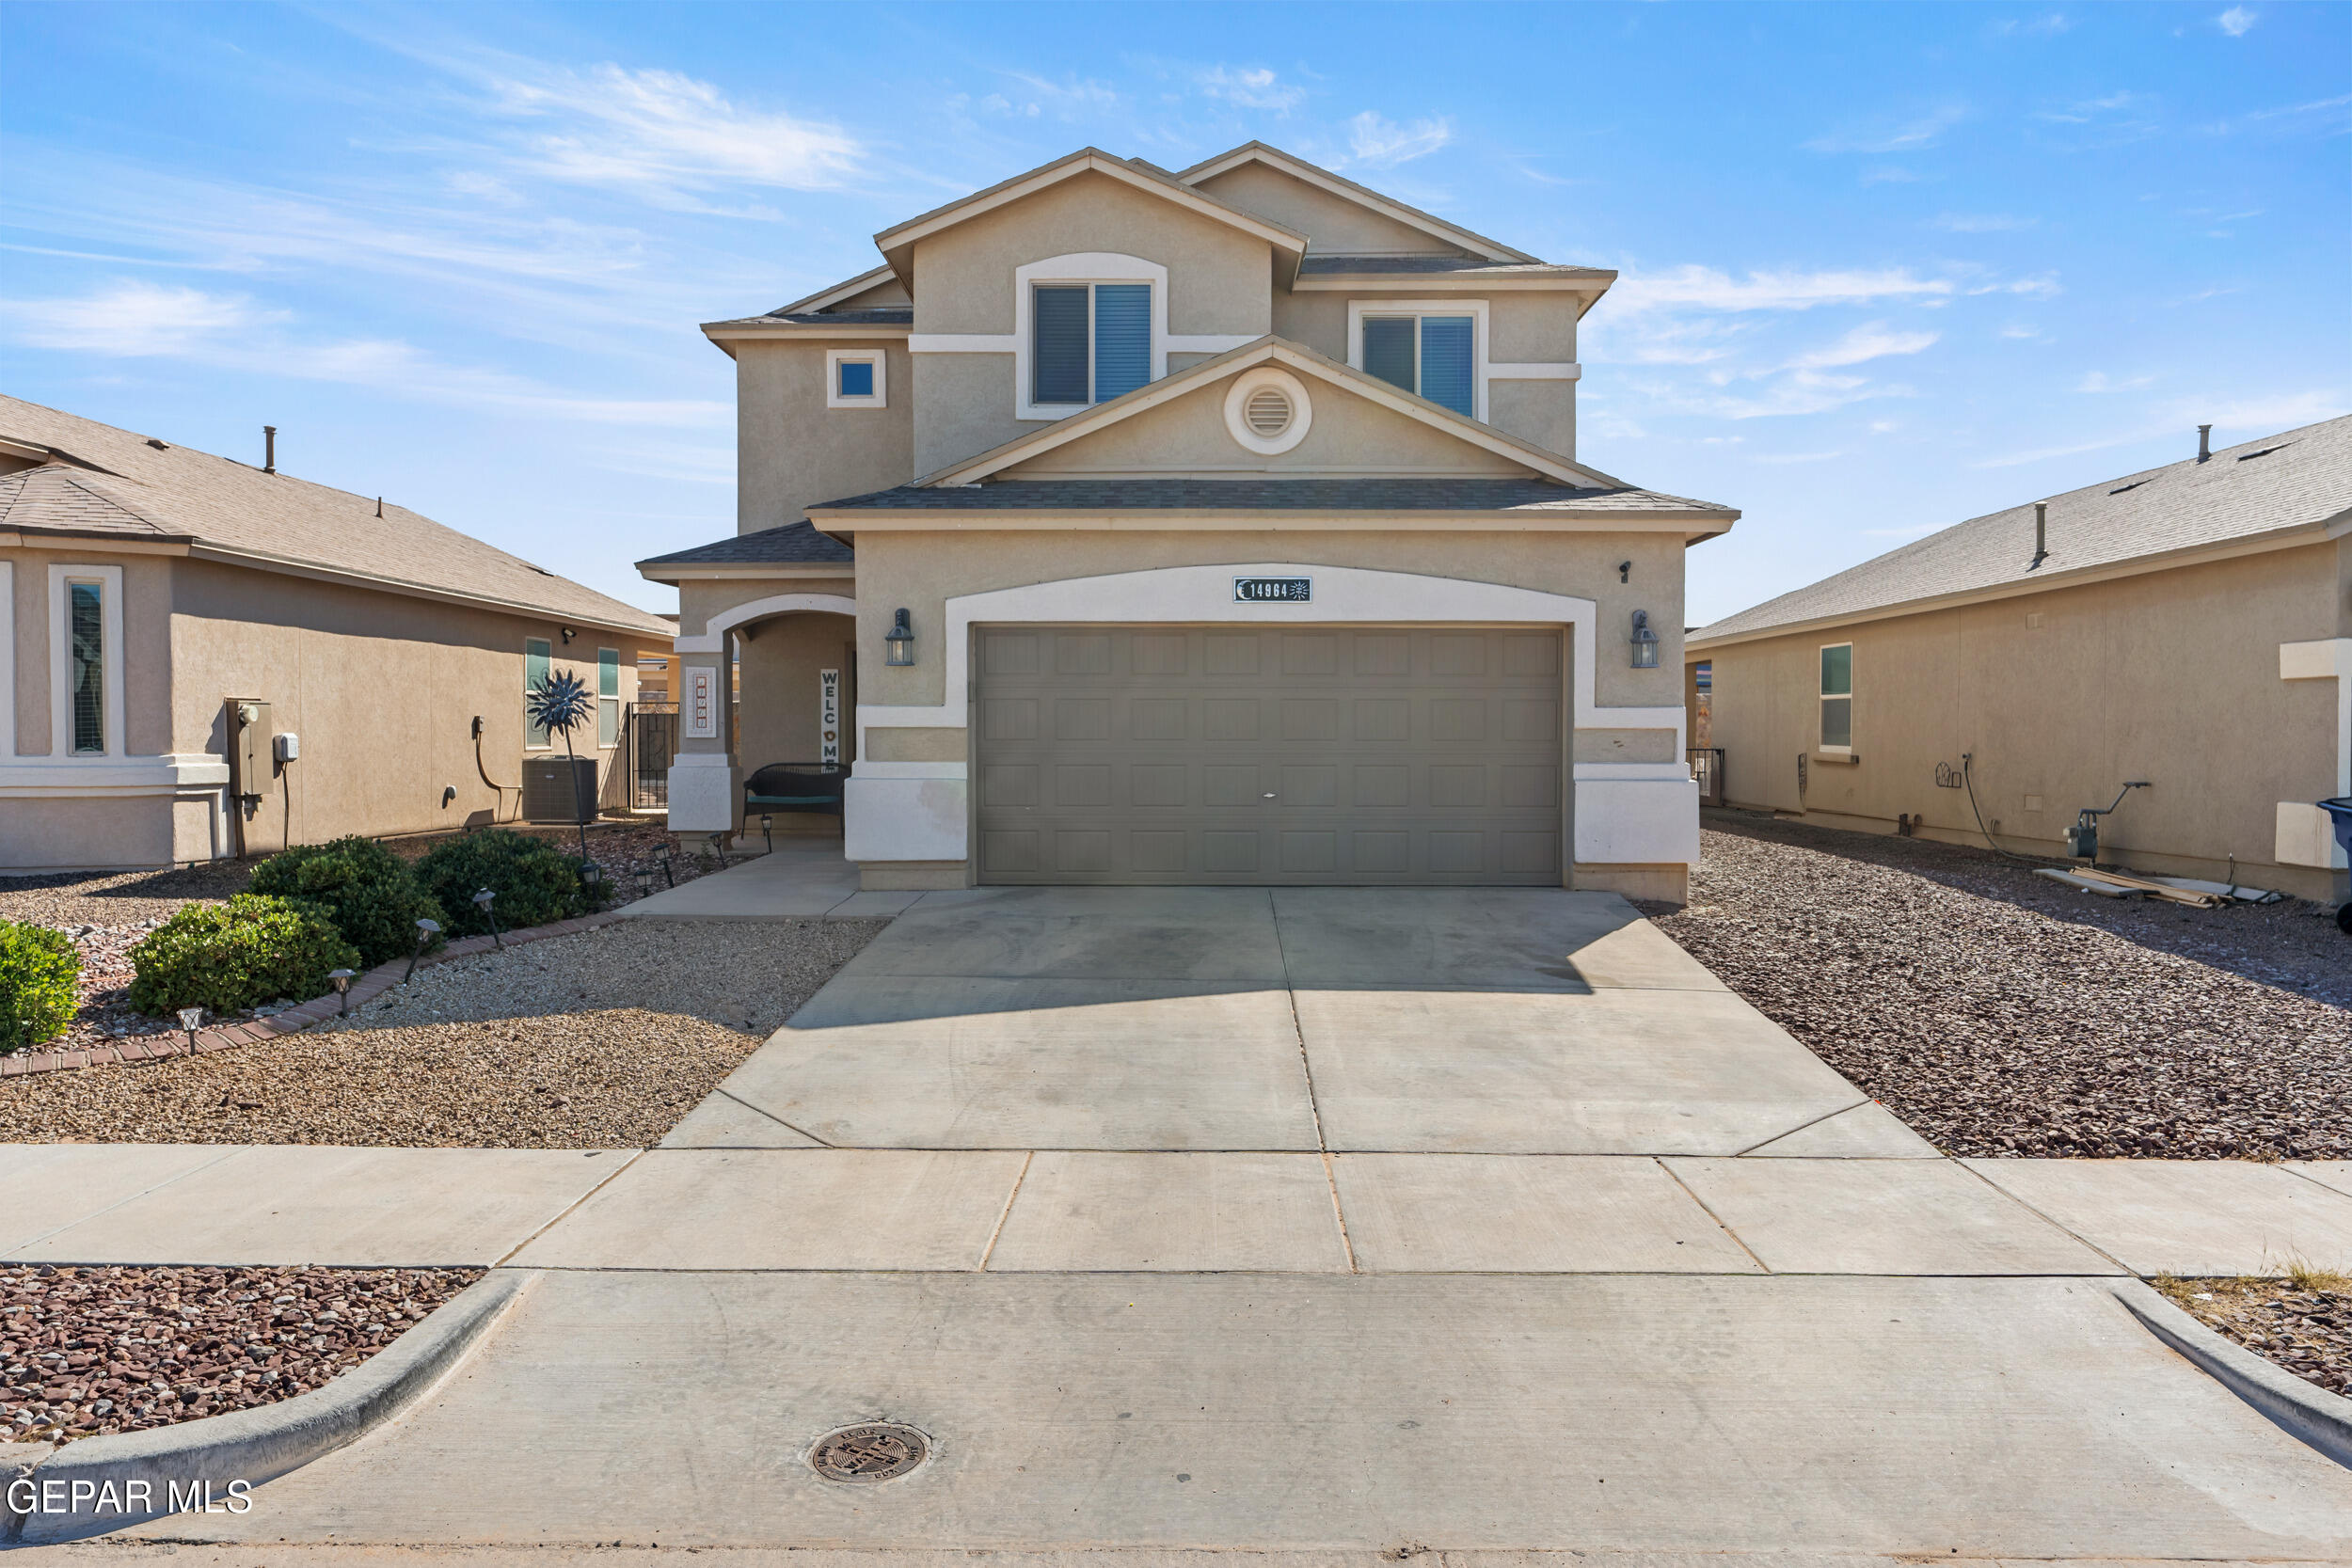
point(1223, 526)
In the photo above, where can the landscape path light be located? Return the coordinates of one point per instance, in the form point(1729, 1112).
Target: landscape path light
point(426, 931)
point(768, 831)
point(343, 989)
point(191, 1019)
point(644, 882)
point(482, 901)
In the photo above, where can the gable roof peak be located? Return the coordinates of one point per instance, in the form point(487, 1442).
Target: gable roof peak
point(1363, 195)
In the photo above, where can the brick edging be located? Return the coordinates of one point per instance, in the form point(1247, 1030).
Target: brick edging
point(253, 1031)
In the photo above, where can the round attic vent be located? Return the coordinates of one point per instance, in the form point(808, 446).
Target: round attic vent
point(1267, 413)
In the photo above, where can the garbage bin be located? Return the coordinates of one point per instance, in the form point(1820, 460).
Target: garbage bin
point(2338, 812)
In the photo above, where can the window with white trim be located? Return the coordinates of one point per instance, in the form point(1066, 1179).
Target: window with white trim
point(856, 378)
point(1088, 342)
point(86, 691)
point(85, 643)
point(1837, 697)
point(538, 663)
point(608, 697)
point(1434, 349)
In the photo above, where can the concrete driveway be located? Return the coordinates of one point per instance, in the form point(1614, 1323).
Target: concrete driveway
point(1317, 1221)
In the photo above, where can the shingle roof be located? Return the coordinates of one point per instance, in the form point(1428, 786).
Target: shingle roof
point(178, 492)
point(792, 543)
point(1419, 265)
point(1270, 495)
point(2301, 478)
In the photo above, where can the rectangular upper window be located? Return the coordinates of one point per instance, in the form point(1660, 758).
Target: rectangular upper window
point(1088, 342)
point(1837, 697)
point(1431, 355)
point(538, 660)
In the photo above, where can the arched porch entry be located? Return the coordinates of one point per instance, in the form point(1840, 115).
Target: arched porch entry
point(789, 696)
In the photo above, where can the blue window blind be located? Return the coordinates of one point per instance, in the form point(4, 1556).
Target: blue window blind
point(1389, 351)
point(1445, 362)
point(86, 617)
point(857, 378)
point(1122, 338)
point(1057, 347)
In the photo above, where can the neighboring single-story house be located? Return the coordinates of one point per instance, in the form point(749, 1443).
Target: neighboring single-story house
point(201, 658)
point(1216, 526)
point(2189, 627)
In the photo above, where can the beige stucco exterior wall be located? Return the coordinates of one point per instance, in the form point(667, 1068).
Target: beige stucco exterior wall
point(380, 688)
point(2168, 676)
point(921, 571)
point(792, 452)
point(1219, 282)
point(1334, 226)
point(1346, 434)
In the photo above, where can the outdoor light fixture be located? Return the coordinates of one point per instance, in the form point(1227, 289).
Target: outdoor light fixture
point(1645, 642)
point(669, 870)
point(768, 831)
point(343, 989)
point(190, 1020)
point(644, 882)
point(426, 931)
point(482, 901)
point(898, 646)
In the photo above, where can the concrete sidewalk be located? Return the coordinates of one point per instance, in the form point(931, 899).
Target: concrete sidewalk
point(804, 878)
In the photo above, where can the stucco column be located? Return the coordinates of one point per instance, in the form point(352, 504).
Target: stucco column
point(704, 789)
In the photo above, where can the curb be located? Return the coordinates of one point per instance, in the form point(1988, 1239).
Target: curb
point(2321, 1419)
point(259, 1445)
point(253, 1031)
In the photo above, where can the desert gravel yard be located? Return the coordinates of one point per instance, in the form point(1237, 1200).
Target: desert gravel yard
point(2304, 1326)
point(85, 1351)
point(604, 1039)
point(2000, 1013)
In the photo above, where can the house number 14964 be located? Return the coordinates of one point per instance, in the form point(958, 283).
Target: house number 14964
point(1273, 590)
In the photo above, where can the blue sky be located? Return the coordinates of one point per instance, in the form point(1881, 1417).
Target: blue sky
point(1886, 267)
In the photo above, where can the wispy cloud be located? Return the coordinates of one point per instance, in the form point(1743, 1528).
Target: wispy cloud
point(1706, 289)
point(661, 134)
point(2047, 26)
point(137, 320)
point(1797, 456)
point(1069, 98)
point(1980, 223)
point(1378, 143)
point(2236, 21)
point(1872, 340)
point(1252, 86)
point(1912, 134)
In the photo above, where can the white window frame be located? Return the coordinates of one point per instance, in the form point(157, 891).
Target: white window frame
point(1475, 309)
point(548, 643)
point(874, 356)
point(1085, 266)
point(1820, 741)
point(109, 579)
point(602, 744)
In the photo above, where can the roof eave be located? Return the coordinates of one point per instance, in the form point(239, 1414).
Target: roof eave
point(2289, 537)
point(1691, 525)
point(849, 289)
point(673, 572)
point(287, 565)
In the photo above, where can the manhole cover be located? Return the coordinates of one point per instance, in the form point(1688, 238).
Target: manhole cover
point(873, 1451)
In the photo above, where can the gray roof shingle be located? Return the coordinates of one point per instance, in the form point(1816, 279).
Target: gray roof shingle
point(2303, 477)
point(176, 492)
point(794, 543)
point(1266, 494)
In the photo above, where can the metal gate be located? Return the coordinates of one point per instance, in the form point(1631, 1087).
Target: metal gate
point(1707, 766)
point(652, 742)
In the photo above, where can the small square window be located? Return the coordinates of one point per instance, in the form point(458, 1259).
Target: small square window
point(853, 379)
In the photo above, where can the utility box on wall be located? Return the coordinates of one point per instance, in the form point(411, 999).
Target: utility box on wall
point(560, 790)
point(249, 761)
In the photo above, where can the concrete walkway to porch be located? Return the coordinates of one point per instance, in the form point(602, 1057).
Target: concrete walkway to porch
point(804, 878)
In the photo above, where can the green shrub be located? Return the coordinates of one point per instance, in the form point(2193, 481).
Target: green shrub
point(38, 968)
point(253, 949)
point(536, 882)
point(369, 894)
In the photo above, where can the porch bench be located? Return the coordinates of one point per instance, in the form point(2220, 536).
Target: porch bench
point(807, 786)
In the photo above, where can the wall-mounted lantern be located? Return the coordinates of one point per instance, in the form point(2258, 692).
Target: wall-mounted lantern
point(898, 645)
point(1645, 642)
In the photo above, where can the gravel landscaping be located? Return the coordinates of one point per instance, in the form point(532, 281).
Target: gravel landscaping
point(108, 914)
point(2305, 1327)
point(85, 1351)
point(1999, 1013)
point(604, 1039)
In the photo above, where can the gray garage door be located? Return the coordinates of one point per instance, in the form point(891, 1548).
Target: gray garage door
point(1235, 754)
